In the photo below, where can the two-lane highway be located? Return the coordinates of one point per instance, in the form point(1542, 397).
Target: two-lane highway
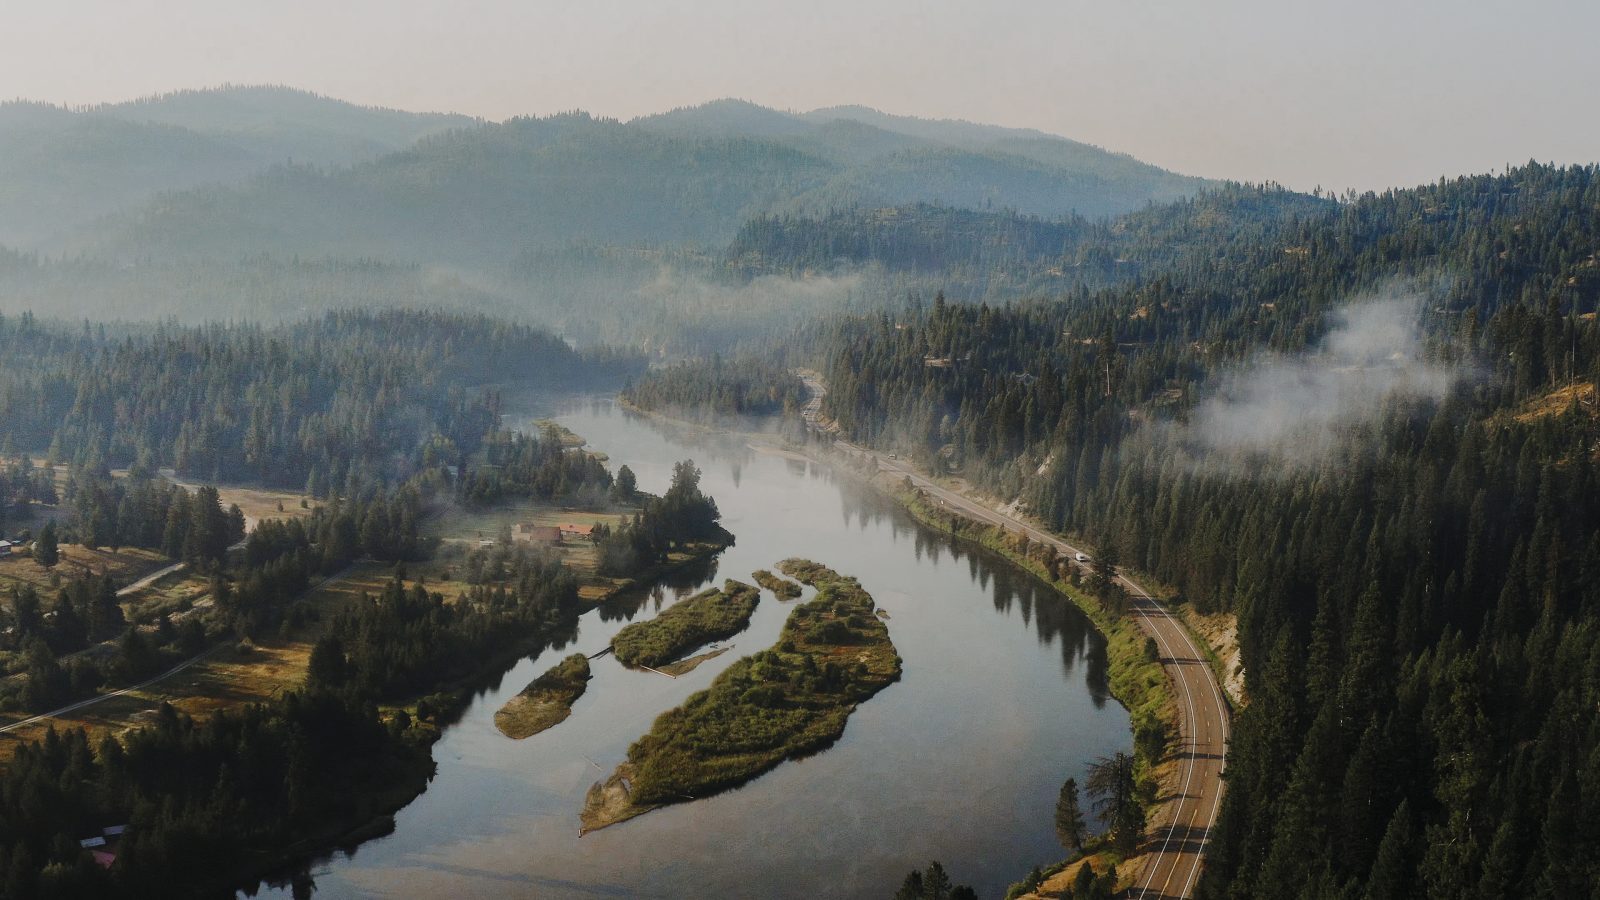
point(1176, 843)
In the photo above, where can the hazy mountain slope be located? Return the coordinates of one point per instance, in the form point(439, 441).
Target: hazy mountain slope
point(725, 118)
point(480, 196)
point(957, 132)
point(61, 168)
point(1119, 177)
point(692, 176)
point(290, 117)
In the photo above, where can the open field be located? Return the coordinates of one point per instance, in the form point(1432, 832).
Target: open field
point(228, 678)
point(127, 564)
point(257, 503)
point(172, 594)
point(471, 526)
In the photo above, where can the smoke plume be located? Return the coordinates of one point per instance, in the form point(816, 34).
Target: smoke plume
point(1313, 409)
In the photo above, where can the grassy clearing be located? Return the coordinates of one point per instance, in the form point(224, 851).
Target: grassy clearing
point(1060, 879)
point(710, 615)
point(546, 701)
point(786, 702)
point(783, 588)
point(1578, 395)
point(229, 678)
point(460, 525)
point(173, 594)
point(262, 503)
point(125, 565)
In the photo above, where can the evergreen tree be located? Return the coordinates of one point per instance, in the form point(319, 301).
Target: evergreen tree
point(1071, 829)
point(45, 547)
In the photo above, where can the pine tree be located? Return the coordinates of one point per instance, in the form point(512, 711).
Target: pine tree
point(45, 548)
point(1071, 829)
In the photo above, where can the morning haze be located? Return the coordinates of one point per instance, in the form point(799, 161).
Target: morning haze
point(1365, 94)
point(872, 450)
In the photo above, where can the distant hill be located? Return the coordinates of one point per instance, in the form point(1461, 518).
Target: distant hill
point(61, 168)
point(481, 195)
point(308, 127)
point(978, 252)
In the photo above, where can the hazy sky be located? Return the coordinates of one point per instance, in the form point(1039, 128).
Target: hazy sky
point(1353, 93)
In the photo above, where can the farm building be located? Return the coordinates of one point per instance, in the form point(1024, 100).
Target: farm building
point(537, 534)
point(569, 529)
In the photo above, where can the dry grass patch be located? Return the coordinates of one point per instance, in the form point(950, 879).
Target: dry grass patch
point(263, 503)
point(229, 678)
point(1558, 401)
point(172, 594)
point(126, 564)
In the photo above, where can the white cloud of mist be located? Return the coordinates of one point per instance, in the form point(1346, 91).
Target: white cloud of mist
point(1314, 409)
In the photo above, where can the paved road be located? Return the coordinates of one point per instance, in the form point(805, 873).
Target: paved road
point(1177, 845)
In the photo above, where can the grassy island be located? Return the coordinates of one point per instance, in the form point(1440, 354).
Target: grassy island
point(783, 587)
point(708, 616)
point(546, 701)
point(785, 702)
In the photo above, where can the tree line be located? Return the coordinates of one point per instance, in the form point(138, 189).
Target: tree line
point(328, 403)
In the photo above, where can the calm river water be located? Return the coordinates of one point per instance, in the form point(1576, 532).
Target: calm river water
point(1004, 697)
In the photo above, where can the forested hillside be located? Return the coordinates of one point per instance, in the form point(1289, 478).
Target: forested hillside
point(348, 398)
point(1370, 432)
point(972, 255)
point(479, 195)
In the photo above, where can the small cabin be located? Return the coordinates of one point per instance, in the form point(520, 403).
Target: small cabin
point(537, 534)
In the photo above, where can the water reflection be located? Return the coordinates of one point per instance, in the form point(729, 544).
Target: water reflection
point(1004, 696)
point(678, 583)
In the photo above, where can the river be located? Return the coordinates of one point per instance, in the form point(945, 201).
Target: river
point(1004, 696)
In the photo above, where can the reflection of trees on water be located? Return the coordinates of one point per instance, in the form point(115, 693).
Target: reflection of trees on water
point(1041, 609)
point(677, 584)
point(560, 636)
point(1040, 606)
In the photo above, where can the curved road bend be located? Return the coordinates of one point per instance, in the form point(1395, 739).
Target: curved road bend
point(1175, 848)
